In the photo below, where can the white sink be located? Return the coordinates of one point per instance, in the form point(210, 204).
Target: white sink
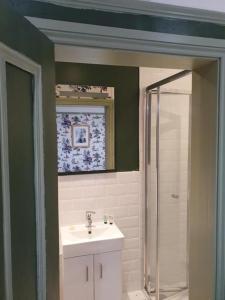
point(76, 240)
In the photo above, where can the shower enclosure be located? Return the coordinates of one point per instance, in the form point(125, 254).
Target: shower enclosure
point(166, 189)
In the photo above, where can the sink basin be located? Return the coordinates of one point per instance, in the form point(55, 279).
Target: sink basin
point(96, 232)
point(76, 240)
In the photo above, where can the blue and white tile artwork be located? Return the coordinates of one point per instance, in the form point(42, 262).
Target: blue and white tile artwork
point(71, 159)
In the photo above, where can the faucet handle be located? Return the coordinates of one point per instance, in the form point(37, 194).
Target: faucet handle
point(89, 213)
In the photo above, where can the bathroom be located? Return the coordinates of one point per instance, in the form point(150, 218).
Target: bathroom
point(149, 204)
point(133, 208)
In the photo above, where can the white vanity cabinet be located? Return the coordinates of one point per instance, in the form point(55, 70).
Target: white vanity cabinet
point(108, 276)
point(92, 263)
point(78, 278)
point(93, 277)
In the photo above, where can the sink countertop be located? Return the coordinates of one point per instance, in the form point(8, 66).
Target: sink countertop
point(104, 238)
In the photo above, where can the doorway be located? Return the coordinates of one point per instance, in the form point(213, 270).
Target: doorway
point(75, 55)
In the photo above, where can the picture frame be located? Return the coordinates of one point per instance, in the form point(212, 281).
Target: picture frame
point(80, 136)
point(85, 118)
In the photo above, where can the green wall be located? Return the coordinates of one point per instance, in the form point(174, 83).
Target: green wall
point(17, 33)
point(2, 292)
point(121, 20)
point(21, 180)
point(126, 83)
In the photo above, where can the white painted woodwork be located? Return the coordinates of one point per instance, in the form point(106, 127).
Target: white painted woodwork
point(78, 278)
point(93, 277)
point(108, 279)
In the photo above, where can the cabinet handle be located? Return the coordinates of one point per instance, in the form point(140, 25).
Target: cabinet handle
point(87, 273)
point(101, 271)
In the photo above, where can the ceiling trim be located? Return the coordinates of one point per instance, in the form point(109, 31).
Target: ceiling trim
point(146, 8)
point(79, 34)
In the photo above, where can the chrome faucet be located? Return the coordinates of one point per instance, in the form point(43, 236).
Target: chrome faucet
point(89, 214)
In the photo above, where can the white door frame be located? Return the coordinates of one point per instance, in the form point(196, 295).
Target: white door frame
point(7, 55)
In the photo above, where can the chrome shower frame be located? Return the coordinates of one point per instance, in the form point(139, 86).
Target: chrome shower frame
point(150, 90)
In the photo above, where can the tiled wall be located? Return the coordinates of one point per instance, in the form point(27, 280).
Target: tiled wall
point(117, 194)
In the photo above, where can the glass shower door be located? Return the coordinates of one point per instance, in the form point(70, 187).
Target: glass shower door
point(166, 169)
point(173, 193)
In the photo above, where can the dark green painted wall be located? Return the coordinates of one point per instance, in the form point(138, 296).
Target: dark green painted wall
point(2, 292)
point(126, 83)
point(21, 180)
point(121, 20)
point(19, 34)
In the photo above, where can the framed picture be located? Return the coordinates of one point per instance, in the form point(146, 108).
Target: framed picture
point(80, 136)
point(85, 129)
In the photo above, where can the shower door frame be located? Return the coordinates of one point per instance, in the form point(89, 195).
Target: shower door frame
point(150, 90)
point(194, 47)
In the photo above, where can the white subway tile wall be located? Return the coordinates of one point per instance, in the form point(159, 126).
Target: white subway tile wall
point(116, 194)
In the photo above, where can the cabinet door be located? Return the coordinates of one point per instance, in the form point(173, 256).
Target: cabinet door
point(78, 278)
point(108, 276)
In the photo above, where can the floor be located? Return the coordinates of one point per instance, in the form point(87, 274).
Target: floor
point(136, 295)
point(180, 296)
point(141, 295)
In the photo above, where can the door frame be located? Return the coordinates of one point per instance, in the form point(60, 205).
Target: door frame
point(86, 35)
point(8, 55)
